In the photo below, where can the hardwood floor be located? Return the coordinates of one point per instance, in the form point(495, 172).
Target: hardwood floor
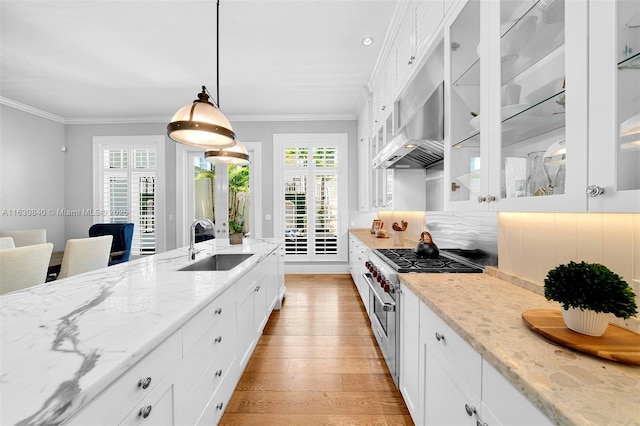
point(317, 363)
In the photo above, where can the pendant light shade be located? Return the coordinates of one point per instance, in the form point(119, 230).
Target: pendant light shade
point(237, 155)
point(201, 124)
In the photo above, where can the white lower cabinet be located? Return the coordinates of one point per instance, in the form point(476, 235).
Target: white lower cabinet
point(410, 350)
point(503, 404)
point(357, 259)
point(190, 377)
point(456, 386)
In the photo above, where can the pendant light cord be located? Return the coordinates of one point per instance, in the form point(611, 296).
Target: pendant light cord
point(218, 53)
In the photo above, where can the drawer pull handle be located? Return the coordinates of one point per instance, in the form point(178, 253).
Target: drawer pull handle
point(144, 383)
point(258, 288)
point(439, 336)
point(470, 409)
point(218, 339)
point(219, 406)
point(144, 412)
point(218, 373)
point(218, 311)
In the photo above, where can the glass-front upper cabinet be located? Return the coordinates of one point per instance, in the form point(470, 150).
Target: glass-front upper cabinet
point(526, 100)
point(614, 106)
point(466, 175)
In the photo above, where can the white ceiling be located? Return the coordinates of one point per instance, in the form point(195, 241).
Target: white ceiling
point(101, 60)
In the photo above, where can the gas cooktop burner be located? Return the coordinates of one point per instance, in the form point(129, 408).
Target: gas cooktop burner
point(405, 260)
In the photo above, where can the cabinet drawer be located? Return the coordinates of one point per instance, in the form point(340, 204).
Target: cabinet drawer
point(216, 340)
point(206, 318)
point(218, 402)
point(249, 281)
point(158, 408)
point(451, 347)
point(220, 371)
point(125, 393)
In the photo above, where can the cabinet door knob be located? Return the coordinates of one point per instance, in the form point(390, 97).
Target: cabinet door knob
point(439, 336)
point(218, 339)
point(490, 198)
point(257, 288)
point(470, 409)
point(218, 373)
point(481, 199)
point(144, 383)
point(218, 311)
point(594, 190)
point(219, 406)
point(144, 412)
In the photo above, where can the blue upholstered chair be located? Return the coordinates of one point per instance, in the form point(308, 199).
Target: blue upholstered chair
point(122, 238)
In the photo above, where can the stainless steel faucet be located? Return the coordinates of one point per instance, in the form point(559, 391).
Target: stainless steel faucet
point(192, 236)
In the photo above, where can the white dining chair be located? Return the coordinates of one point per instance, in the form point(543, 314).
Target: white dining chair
point(26, 237)
point(6, 242)
point(23, 267)
point(84, 255)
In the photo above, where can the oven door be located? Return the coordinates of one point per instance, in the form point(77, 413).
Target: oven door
point(382, 313)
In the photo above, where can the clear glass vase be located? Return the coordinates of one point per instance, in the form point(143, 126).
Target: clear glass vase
point(538, 182)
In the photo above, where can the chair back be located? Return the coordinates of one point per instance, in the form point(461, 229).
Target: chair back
point(7, 242)
point(26, 237)
point(23, 267)
point(122, 238)
point(84, 255)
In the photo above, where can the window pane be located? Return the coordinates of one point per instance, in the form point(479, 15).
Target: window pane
point(296, 222)
point(116, 197)
point(296, 157)
point(326, 213)
point(143, 213)
point(116, 158)
point(144, 158)
point(324, 157)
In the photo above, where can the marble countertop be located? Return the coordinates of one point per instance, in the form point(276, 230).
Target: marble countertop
point(374, 242)
point(568, 386)
point(64, 342)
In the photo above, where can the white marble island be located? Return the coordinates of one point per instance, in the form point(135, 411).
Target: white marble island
point(63, 343)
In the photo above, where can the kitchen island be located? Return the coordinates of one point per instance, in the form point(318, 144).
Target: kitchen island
point(484, 311)
point(66, 342)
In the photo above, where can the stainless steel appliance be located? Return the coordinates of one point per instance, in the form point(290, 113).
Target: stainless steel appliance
point(383, 268)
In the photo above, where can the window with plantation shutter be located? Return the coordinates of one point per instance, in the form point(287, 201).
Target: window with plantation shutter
point(311, 201)
point(128, 188)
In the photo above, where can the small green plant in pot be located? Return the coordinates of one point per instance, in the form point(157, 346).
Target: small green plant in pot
point(589, 292)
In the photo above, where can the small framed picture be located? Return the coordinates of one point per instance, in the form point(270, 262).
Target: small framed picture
point(376, 225)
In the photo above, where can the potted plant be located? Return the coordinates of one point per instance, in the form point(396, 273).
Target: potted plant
point(589, 293)
point(235, 232)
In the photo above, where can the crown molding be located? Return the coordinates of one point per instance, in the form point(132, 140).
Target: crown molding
point(31, 110)
point(167, 119)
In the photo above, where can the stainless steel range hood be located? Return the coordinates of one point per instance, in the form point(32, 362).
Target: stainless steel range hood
point(419, 143)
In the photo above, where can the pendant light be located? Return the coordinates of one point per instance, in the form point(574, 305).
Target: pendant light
point(237, 155)
point(202, 124)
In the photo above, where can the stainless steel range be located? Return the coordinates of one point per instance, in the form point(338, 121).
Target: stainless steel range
point(382, 277)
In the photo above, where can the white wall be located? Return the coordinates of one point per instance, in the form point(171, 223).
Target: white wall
point(32, 173)
point(36, 174)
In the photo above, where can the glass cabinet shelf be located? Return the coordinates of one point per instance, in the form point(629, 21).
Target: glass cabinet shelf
point(521, 122)
point(632, 62)
point(529, 38)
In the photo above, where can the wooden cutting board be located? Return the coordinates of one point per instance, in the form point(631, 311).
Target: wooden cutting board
point(616, 344)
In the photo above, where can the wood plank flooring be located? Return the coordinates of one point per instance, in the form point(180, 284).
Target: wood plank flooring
point(317, 363)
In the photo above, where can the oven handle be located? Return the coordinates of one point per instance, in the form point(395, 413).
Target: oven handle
point(386, 306)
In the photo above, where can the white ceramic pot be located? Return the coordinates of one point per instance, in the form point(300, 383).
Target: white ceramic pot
point(587, 321)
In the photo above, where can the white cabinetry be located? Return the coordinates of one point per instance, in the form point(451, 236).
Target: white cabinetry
point(252, 308)
point(144, 385)
point(364, 155)
point(357, 258)
point(540, 79)
point(410, 351)
point(614, 105)
point(456, 386)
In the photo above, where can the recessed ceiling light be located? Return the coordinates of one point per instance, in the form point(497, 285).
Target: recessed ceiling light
point(367, 41)
point(410, 146)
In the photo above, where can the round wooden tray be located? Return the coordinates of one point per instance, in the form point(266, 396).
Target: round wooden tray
point(616, 344)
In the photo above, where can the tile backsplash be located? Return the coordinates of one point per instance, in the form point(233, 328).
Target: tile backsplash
point(530, 244)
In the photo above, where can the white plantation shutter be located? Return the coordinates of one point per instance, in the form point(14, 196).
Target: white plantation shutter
point(128, 192)
point(312, 222)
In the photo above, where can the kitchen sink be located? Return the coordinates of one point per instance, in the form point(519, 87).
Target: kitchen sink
point(218, 262)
